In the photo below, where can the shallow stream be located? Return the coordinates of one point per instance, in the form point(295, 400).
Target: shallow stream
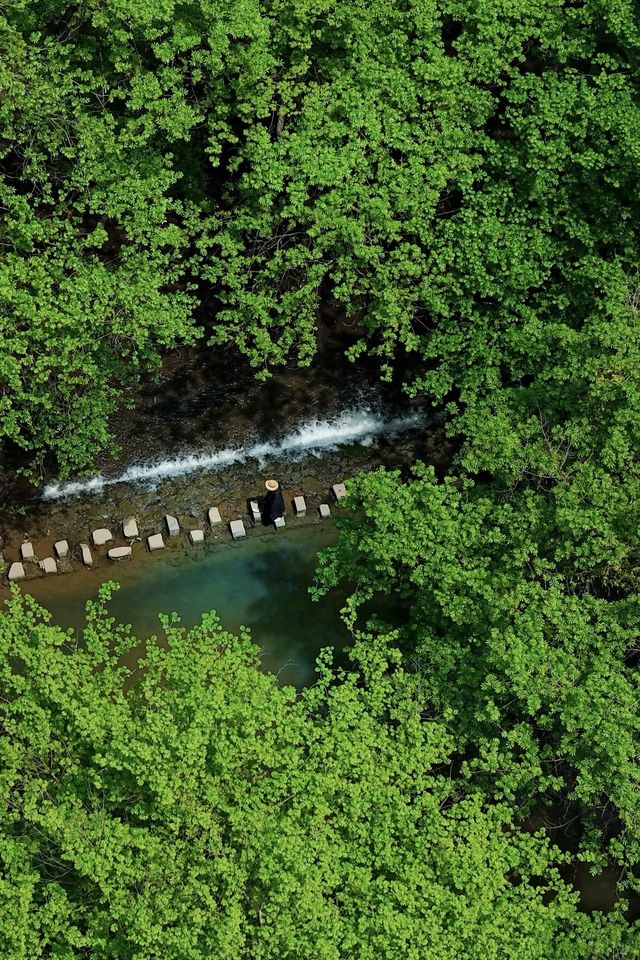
point(261, 583)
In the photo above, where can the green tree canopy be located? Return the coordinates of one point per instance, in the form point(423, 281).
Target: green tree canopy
point(528, 663)
point(459, 176)
point(192, 808)
point(102, 190)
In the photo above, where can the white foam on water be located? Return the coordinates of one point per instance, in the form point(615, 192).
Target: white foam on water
point(312, 438)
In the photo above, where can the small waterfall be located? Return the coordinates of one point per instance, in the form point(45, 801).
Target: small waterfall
point(312, 438)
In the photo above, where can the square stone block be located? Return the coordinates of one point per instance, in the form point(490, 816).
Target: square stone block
point(16, 571)
point(85, 553)
point(237, 529)
point(61, 547)
point(119, 553)
point(255, 510)
point(300, 506)
point(339, 491)
point(48, 565)
point(155, 541)
point(173, 527)
point(214, 516)
point(196, 536)
point(101, 536)
point(26, 551)
point(130, 528)
point(278, 523)
point(324, 511)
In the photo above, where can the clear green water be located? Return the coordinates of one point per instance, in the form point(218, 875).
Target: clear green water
point(261, 583)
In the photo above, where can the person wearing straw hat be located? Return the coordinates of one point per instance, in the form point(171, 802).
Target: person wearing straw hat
point(273, 503)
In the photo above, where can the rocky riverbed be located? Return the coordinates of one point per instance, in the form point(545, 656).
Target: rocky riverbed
point(189, 496)
point(207, 433)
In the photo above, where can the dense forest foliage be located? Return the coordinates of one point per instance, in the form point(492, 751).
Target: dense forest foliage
point(461, 178)
point(207, 812)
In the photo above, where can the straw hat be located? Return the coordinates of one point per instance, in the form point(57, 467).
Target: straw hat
point(271, 484)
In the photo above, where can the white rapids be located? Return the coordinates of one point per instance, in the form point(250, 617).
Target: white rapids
point(311, 438)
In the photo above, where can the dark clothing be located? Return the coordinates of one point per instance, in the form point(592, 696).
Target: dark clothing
point(272, 506)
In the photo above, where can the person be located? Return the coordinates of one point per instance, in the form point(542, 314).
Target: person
point(273, 502)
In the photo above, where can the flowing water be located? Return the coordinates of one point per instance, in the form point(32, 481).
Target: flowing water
point(313, 438)
point(261, 583)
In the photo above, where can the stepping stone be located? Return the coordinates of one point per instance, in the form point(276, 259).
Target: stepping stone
point(255, 510)
point(61, 547)
point(26, 551)
point(101, 536)
point(196, 536)
point(119, 553)
point(130, 528)
point(155, 541)
point(16, 571)
point(300, 506)
point(237, 529)
point(278, 523)
point(85, 553)
point(324, 511)
point(339, 490)
point(173, 527)
point(214, 516)
point(48, 565)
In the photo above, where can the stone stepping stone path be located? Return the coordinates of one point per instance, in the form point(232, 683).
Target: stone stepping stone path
point(101, 536)
point(16, 572)
point(119, 553)
point(26, 551)
point(130, 528)
point(155, 541)
point(237, 529)
point(173, 527)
